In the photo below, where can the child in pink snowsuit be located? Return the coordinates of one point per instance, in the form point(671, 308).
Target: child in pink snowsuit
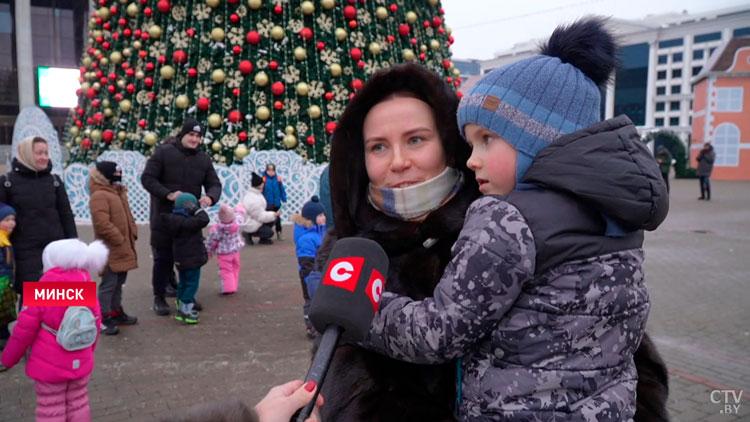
point(225, 241)
point(60, 376)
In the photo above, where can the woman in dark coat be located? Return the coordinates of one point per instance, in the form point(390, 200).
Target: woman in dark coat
point(42, 207)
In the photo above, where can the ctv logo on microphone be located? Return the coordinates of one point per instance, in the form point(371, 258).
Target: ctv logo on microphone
point(375, 289)
point(344, 272)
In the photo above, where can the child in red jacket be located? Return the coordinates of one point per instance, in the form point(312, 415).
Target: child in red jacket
point(60, 376)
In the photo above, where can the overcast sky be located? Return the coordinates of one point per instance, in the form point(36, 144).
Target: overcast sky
point(483, 27)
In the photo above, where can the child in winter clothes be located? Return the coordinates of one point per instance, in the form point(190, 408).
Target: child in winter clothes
point(275, 193)
point(544, 301)
point(7, 270)
point(225, 241)
point(60, 376)
point(258, 221)
point(309, 228)
point(114, 225)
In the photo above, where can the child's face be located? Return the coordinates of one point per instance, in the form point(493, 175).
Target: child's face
point(8, 223)
point(493, 160)
point(320, 219)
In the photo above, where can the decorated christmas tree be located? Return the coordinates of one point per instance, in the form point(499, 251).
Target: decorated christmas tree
point(260, 74)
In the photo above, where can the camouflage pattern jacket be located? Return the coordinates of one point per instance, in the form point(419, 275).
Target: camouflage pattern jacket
point(544, 310)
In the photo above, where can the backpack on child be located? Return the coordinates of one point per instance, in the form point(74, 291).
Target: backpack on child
point(77, 330)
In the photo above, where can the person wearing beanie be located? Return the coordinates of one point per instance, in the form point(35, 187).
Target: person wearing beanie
point(226, 242)
point(275, 194)
point(258, 221)
point(7, 267)
point(309, 229)
point(115, 226)
point(547, 272)
point(175, 167)
point(185, 226)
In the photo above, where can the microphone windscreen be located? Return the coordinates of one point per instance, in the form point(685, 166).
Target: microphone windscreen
point(352, 285)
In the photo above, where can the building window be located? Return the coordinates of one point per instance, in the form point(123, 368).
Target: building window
point(674, 105)
point(727, 145)
point(676, 89)
point(659, 122)
point(662, 74)
point(660, 106)
point(677, 58)
point(674, 121)
point(676, 73)
point(697, 70)
point(698, 54)
point(663, 59)
point(676, 42)
point(728, 99)
point(707, 37)
point(711, 51)
point(631, 83)
point(741, 32)
point(661, 90)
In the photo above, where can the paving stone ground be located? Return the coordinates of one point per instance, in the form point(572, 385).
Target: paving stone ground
point(697, 267)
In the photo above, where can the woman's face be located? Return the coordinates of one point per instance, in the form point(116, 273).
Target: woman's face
point(41, 155)
point(402, 143)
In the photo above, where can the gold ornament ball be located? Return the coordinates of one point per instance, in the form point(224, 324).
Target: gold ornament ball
point(212, 3)
point(86, 61)
point(74, 131)
point(103, 13)
point(314, 111)
point(139, 74)
point(127, 52)
point(85, 86)
point(381, 13)
point(335, 70)
point(105, 103)
point(150, 139)
point(289, 130)
point(374, 48)
point(340, 34)
point(411, 17)
point(167, 72)
point(241, 152)
point(96, 135)
point(108, 112)
point(290, 141)
point(154, 32)
point(435, 45)
point(216, 146)
point(182, 101)
point(104, 62)
point(307, 7)
point(328, 4)
point(214, 120)
point(78, 140)
point(300, 54)
point(97, 86)
point(97, 34)
point(217, 34)
point(303, 89)
point(125, 106)
point(261, 79)
point(121, 135)
point(263, 113)
point(277, 33)
point(97, 52)
point(218, 76)
point(448, 30)
point(254, 4)
point(115, 57)
point(133, 10)
point(137, 45)
point(433, 2)
point(120, 83)
point(92, 24)
point(422, 48)
point(87, 132)
point(408, 55)
point(68, 145)
point(456, 72)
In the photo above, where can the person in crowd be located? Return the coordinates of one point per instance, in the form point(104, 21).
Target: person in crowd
point(185, 226)
point(275, 194)
point(664, 158)
point(226, 242)
point(176, 167)
point(309, 228)
point(114, 225)
point(705, 160)
point(324, 193)
point(60, 370)
point(258, 219)
point(547, 272)
point(7, 269)
point(38, 196)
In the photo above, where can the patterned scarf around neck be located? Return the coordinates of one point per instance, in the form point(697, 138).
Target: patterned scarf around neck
point(417, 201)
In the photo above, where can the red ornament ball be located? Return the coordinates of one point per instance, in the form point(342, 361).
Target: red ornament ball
point(393, 7)
point(116, 36)
point(118, 97)
point(352, 24)
point(446, 64)
point(150, 67)
point(161, 59)
point(142, 123)
point(91, 93)
point(236, 92)
point(273, 65)
point(130, 88)
point(320, 45)
point(351, 96)
point(278, 10)
point(137, 33)
point(90, 121)
point(277, 88)
point(179, 56)
point(122, 22)
point(449, 80)
point(127, 32)
point(190, 32)
point(306, 33)
point(148, 12)
point(111, 89)
point(310, 140)
point(330, 127)
point(232, 1)
point(203, 103)
point(235, 116)
point(150, 95)
point(163, 6)
point(86, 144)
point(237, 50)
point(107, 136)
point(278, 105)
point(350, 12)
point(103, 81)
point(356, 84)
point(106, 26)
point(436, 21)
point(192, 72)
point(441, 30)
point(99, 39)
point(149, 82)
point(242, 136)
point(113, 10)
point(234, 18)
point(141, 54)
point(356, 53)
point(246, 66)
point(329, 96)
point(253, 37)
point(95, 104)
point(413, 41)
point(99, 74)
point(144, 36)
point(404, 29)
point(422, 56)
point(98, 118)
point(391, 39)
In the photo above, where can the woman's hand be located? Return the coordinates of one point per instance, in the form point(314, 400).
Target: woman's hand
point(284, 400)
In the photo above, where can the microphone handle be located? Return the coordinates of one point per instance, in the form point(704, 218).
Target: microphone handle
point(320, 364)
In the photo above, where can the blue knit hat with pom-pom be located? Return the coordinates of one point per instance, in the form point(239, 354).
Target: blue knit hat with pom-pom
point(312, 209)
point(534, 101)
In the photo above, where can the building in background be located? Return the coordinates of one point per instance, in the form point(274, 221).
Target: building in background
point(661, 56)
point(471, 72)
point(52, 34)
point(721, 110)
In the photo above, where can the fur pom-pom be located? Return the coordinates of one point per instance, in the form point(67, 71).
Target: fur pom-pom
point(97, 255)
point(586, 44)
point(73, 253)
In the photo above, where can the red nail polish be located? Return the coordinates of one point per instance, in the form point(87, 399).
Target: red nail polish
point(310, 385)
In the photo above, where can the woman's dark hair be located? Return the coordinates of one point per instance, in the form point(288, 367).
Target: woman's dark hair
point(347, 169)
point(37, 140)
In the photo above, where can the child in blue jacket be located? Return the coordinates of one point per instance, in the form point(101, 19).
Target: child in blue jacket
point(309, 228)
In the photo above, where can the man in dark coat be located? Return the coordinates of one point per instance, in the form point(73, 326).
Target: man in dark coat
point(664, 158)
point(705, 166)
point(175, 167)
